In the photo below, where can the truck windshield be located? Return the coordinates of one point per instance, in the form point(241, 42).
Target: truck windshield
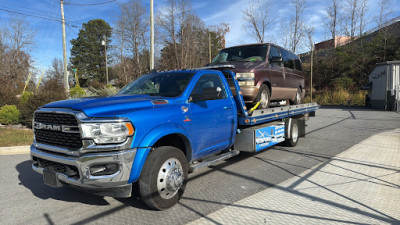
point(160, 84)
point(250, 53)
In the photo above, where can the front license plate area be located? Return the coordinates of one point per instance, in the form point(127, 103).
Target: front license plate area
point(50, 178)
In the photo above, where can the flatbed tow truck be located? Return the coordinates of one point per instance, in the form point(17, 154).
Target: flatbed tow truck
point(154, 137)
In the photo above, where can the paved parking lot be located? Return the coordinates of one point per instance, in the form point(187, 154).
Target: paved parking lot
point(25, 199)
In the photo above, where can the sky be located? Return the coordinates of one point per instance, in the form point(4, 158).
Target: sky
point(48, 32)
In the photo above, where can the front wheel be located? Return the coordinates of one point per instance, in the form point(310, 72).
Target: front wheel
point(163, 179)
point(263, 96)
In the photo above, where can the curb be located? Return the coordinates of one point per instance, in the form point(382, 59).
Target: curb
point(15, 150)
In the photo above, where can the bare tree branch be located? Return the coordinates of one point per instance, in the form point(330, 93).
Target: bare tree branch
point(258, 19)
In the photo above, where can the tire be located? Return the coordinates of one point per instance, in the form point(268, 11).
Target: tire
point(163, 179)
point(292, 138)
point(263, 96)
point(298, 99)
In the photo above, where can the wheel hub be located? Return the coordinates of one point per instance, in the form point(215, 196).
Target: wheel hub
point(175, 180)
point(264, 99)
point(295, 132)
point(170, 178)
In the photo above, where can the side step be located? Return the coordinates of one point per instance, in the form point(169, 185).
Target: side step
point(212, 160)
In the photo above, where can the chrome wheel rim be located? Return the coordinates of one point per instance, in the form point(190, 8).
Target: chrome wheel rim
point(295, 133)
point(170, 178)
point(298, 98)
point(264, 99)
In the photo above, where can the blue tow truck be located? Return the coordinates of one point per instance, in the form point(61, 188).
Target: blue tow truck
point(154, 132)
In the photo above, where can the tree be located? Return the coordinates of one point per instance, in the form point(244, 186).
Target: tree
point(56, 71)
point(333, 15)
point(87, 52)
point(258, 19)
point(132, 28)
point(296, 24)
point(385, 10)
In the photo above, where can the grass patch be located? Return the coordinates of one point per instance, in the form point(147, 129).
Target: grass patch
point(338, 97)
point(15, 137)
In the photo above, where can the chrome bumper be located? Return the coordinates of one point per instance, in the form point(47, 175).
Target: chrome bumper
point(86, 181)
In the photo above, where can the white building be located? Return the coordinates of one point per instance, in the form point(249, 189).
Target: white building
point(384, 86)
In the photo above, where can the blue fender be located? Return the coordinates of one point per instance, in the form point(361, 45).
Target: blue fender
point(145, 146)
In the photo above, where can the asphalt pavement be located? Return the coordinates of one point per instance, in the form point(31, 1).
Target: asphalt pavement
point(26, 200)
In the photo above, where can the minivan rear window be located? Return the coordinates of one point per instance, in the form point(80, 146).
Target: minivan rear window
point(250, 53)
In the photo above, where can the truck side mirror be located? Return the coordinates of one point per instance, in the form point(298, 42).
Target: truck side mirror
point(276, 59)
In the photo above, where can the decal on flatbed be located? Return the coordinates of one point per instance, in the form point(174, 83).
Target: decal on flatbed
point(269, 136)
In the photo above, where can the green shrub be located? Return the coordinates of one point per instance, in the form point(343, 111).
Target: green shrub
point(77, 92)
point(26, 95)
point(51, 91)
point(9, 114)
point(104, 91)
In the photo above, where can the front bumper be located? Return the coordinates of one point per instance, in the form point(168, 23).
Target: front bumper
point(115, 184)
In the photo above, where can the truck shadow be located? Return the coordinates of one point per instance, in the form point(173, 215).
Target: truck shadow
point(34, 182)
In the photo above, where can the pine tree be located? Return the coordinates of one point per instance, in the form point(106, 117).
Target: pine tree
point(87, 53)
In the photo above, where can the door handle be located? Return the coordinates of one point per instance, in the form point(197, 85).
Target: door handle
point(227, 107)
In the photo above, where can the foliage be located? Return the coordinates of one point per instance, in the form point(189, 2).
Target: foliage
point(87, 52)
point(9, 114)
point(343, 83)
point(104, 91)
point(51, 91)
point(25, 96)
point(338, 97)
point(348, 66)
point(8, 94)
point(77, 92)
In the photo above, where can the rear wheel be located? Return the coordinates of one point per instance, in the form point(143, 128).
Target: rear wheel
point(263, 97)
point(299, 97)
point(292, 133)
point(163, 179)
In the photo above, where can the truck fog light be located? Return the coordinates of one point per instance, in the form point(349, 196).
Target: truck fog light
point(106, 169)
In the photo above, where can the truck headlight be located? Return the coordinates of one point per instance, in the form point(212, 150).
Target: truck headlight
point(107, 133)
point(248, 78)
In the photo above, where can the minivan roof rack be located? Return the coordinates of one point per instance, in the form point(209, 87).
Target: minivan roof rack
point(216, 67)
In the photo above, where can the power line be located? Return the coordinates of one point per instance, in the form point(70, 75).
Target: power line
point(36, 16)
point(22, 9)
point(100, 3)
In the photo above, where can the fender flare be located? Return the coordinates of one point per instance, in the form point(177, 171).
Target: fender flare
point(146, 145)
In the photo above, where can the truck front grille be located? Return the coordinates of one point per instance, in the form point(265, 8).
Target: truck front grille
point(70, 141)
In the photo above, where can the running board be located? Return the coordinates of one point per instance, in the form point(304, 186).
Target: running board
point(213, 160)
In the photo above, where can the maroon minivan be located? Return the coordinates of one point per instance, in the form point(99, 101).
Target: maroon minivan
point(266, 72)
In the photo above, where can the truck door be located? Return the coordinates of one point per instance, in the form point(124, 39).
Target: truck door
point(212, 116)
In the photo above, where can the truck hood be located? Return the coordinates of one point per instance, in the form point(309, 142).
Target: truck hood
point(106, 106)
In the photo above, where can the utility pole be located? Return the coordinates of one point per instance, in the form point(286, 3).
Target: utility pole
point(312, 63)
point(66, 85)
point(104, 42)
point(151, 36)
point(209, 46)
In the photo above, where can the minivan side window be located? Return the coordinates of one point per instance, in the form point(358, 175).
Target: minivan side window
point(273, 52)
point(287, 59)
point(297, 63)
point(208, 82)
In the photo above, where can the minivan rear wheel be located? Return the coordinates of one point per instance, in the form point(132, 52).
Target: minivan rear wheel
point(298, 99)
point(263, 97)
